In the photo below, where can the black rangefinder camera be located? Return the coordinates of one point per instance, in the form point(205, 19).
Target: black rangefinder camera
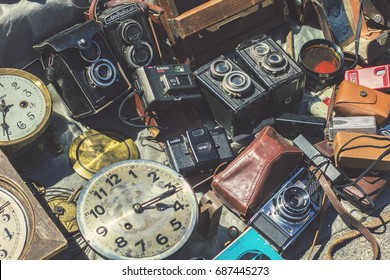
point(273, 68)
point(289, 211)
point(199, 150)
point(83, 69)
point(129, 34)
point(166, 86)
point(237, 102)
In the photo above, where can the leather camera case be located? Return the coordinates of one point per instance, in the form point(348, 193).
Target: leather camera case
point(357, 100)
point(256, 172)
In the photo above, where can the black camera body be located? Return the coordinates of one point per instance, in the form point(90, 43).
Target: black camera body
point(289, 211)
point(166, 86)
point(237, 102)
point(83, 69)
point(273, 68)
point(129, 34)
point(199, 150)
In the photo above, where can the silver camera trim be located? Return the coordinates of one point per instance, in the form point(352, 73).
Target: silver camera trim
point(123, 27)
point(259, 55)
point(215, 74)
point(236, 90)
point(93, 74)
point(129, 55)
point(274, 70)
point(90, 60)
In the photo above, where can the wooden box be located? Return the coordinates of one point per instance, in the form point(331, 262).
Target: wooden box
point(210, 28)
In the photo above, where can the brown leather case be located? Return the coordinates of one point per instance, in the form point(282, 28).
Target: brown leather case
point(356, 100)
point(256, 172)
point(356, 150)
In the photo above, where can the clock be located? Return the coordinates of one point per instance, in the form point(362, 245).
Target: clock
point(25, 108)
point(16, 220)
point(137, 209)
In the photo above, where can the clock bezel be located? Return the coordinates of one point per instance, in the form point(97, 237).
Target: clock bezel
point(37, 132)
point(148, 164)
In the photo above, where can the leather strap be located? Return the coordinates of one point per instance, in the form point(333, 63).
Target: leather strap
point(322, 19)
point(347, 218)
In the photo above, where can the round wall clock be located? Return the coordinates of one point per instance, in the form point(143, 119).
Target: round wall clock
point(16, 221)
point(137, 209)
point(25, 108)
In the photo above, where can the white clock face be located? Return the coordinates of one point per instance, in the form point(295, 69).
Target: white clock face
point(137, 209)
point(24, 106)
point(13, 226)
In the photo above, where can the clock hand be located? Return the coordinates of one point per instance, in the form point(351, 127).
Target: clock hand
point(159, 206)
point(2, 207)
point(139, 207)
point(4, 110)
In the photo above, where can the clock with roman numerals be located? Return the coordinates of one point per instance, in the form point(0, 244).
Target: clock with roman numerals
point(137, 209)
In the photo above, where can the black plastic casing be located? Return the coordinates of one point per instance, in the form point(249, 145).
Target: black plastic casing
point(286, 88)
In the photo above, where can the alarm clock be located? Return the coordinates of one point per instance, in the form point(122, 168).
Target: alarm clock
point(137, 209)
point(25, 108)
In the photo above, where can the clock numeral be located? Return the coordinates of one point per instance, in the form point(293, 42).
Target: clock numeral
point(175, 224)
point(178, 206)
point(15, 85)
point(169, 185)
point(3, 254)
point(31, 105)
point(27, 92)
point(142, 243)
point(154, 175)
point(30, 116)
point(5, 218)
point(21, 125)
point(98, 211)
point(7, 234)
point(1, 85)
point(120, 242)
point(161, 239)
point(113, 180)
point(131, 172)
point(101, 190)
point(102, 230)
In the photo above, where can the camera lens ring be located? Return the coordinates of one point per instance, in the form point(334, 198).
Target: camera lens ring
point(236, 84)
point(274, 63)
point(293, 204)
point(95, 71)
point(124, 27)
point(84, 56)
point(260, 49)
point(219, 68)
point(130, 54)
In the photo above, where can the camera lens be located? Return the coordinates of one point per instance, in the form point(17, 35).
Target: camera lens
point(323, 62)
point(274, 63)
point(260, 49)
point(102, 73)
point(236, 84)
point(92, 53)
point(219, 68)
point(130, 31)
point(140, 55)
point(293, 204)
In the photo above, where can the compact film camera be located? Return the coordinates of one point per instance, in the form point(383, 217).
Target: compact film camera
point(376, 77)
point(289, 211)
point(166, 86)
point(199, 150)
point(82, 69)
point(273, 68)
point(237, 102)
point(129, 34)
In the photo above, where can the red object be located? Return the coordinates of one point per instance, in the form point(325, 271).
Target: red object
point(377, 77)
point(325, 67)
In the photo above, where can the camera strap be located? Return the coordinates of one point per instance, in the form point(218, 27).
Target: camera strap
point(347, 218)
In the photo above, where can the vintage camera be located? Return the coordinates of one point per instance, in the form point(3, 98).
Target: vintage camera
point(166, 86)
point(289, 211)
point(237, 102)
point(377, 77)
point(129, 34)
point(273, 68)
point(82, 69)
point(199, 150)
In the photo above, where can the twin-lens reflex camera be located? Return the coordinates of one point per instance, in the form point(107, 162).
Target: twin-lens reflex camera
point(130, 36)
point(83, 69)
point(237, 102)
point(273, 68)
point(199, 150)
point(289, 211)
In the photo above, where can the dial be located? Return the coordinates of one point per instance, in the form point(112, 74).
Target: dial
point(137, 209)
point(25, 107)
point(13, 226)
